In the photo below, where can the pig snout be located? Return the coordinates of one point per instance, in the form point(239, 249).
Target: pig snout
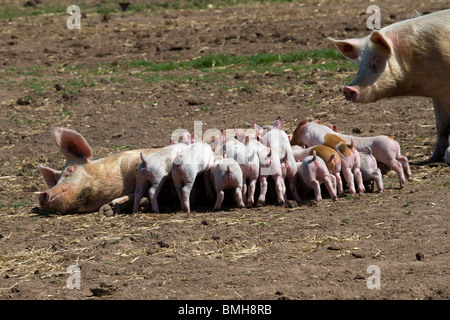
point(350, 93)
point(57, 199)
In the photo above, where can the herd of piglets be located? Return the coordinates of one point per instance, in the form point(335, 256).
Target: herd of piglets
point(235, 159)
point(407, 58)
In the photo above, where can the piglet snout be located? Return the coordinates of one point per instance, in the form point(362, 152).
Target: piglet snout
point(350, 93)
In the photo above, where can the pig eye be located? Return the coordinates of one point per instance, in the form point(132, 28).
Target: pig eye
point(69, 170)
point(373, 65)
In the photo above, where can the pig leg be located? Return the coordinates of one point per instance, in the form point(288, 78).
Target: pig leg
point(141, 183)
point(348, 176)
point(244, 188)
point(263, 190)
point(316, 186)
point(397, 167)
point(404, 161)
point(293, 189)
point(153, 194)
point(178, 187)
point(378, 180)
point(238, 197)
point(280, 189)
point(114, 206)
point(340, 188)
point(333, 182)
point(219, 200)
point(443, 131)
point(359, 180)
point(328, 181)
point(251, 193)
point(186, 193)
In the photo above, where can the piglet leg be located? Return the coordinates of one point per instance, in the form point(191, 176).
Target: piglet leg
point(238, 197)
point(219, 199)
point(263, 191)
point(153, 194)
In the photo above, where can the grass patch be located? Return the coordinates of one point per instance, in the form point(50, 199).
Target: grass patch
point(327, 60)
point(9, 12)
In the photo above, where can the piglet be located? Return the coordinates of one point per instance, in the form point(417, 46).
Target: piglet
point(269, 165)
point(278, 140)
point(249, 163)
point(187, 165)
point(329, 156)
point(311, 173)
point(155, 168)
point(313, 133)
point(225, 174)
point(385, 150)
point(369, 169)
point(87, 185)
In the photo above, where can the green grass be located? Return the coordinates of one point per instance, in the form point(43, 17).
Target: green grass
point(9, 12)
point(333, 61)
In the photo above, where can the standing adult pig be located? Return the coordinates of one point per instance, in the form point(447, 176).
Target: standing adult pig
point(407, 58)
point(86, 185)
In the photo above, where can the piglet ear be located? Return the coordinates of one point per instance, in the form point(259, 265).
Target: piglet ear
point(50, 175)
point(278, 123)
point(349, 48)
point(72, 145)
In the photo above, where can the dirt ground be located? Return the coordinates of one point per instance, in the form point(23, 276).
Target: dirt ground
point(81, 79)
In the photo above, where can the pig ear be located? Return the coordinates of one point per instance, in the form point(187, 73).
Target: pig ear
point(349, 48)
point(278, 123)
point(72, 145)
point(257, 128)
point(50, 176)
point(381, 40)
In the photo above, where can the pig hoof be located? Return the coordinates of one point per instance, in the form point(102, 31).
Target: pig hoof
point(106, 210)
point(291, 204)
point(260, 203)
